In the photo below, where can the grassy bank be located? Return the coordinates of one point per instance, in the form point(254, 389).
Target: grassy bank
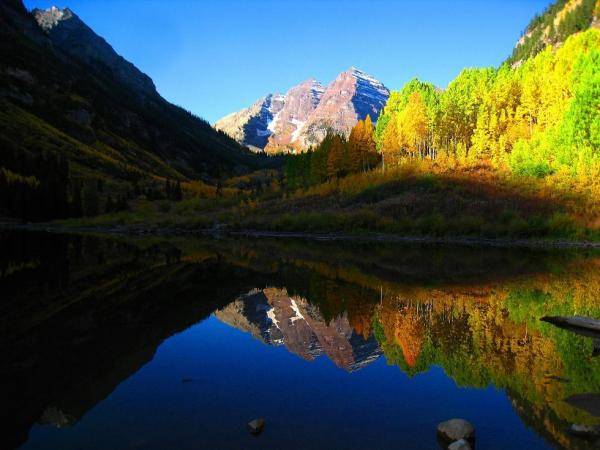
point(410, 200)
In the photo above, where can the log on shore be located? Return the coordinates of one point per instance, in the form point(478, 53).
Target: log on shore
point(575, 323)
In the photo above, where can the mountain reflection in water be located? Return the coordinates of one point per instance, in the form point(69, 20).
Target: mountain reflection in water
point(275, 318)
point(82, 314)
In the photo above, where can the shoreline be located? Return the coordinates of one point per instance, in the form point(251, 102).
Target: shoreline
point(365, 237)
point(456, 240)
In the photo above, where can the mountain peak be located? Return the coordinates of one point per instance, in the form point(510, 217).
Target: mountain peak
point(355, 71)
point(311, 81)
point(51, 17)
point(315, 87)
point(362, 75)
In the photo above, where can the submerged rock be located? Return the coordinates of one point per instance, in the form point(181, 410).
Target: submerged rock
point(54, 416)
point(461, 444)
point(585, 431)
point(256, 426)
point(456, 429)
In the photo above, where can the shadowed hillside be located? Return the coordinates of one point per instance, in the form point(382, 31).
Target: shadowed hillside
point(65, 95)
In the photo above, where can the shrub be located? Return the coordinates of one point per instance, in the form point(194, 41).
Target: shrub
point(517, 227)
point(537, 226)
point(561, 225)
point(530, 158)
point(467, 224)
point(433, 223)
point(164, 206)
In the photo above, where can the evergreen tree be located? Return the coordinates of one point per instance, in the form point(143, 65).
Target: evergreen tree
point(76, 207)
point(121, 204)
point(168, 189)
point(4, 211)
point(177, 192)
point(109, 206)
point(90, 198)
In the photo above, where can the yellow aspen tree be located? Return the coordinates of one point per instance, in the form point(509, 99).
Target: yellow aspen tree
point(414, 124)
point(368, 144)
point(335, 159)
point(355, 144)
point(391, 147)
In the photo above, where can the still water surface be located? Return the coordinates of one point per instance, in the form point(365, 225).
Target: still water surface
point(154, 343)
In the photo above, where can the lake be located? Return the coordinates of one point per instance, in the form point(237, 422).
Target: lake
point(112, 342)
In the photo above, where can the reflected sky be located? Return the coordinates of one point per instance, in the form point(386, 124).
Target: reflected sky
point(178, 343)
point(305, 404)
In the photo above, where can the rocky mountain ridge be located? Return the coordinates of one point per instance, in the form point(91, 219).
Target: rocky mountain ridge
point(69, 33)
point(257, 117)
point(303, 116)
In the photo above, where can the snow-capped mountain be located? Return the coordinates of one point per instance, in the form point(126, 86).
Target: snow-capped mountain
point(302, 117)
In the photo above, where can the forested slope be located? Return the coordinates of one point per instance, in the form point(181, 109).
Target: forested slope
point(560, 20)
point(60, 109)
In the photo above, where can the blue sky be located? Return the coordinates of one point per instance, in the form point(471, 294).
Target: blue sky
point(217, 56)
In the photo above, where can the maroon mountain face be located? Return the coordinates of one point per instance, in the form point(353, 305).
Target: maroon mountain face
point(350, 97)
point(309, 111)
point(299, 105)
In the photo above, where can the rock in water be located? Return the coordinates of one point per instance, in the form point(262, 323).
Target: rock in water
point(585, 431)
point(461, 444)
point(455, 430)
point(256, 426)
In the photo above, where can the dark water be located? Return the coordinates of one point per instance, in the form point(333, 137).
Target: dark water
point(110, 343)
